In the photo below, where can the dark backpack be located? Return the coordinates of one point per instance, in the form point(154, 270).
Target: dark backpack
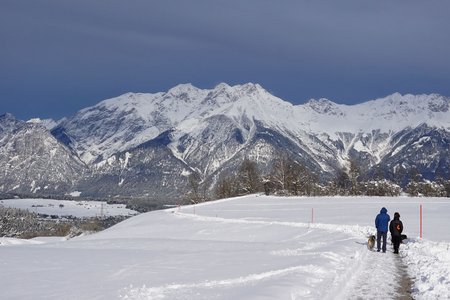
point(396, 227)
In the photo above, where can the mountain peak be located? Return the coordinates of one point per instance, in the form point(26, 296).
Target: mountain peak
point(410, 103)
point(240, 89)
point(250, 89)
point(439, 103)
point(7, 116)
point(8, 122)
point(47, 123)
point(221, 86)
point(322, 105)
point(182, 89)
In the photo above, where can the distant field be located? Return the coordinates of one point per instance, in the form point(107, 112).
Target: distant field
point(77, 209)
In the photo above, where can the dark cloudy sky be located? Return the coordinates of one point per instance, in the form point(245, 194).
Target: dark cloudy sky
point(57, 57)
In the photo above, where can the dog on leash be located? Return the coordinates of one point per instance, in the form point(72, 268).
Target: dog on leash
point(371, 242)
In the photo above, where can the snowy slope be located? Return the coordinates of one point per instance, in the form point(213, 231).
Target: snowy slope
point(253, 247)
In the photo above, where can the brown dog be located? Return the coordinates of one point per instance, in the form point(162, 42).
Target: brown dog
point(371, 242)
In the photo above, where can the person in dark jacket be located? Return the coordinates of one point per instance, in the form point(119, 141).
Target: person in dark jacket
point(382, 223)
point(396, 228)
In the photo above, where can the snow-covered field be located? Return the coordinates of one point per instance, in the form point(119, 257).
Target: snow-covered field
point(69, 208)
point(253, 247)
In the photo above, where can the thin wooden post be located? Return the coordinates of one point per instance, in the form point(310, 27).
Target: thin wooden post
point(421, 221)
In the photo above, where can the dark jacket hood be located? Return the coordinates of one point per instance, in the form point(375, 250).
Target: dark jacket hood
point(383, 210)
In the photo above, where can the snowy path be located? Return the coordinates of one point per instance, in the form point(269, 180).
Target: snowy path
point(378, 276)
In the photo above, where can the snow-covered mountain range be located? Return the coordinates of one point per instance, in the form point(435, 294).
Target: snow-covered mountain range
point(147, 144)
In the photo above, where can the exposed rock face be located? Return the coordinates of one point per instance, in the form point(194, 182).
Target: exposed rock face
point(34, 162)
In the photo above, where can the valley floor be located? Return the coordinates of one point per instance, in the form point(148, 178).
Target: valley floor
point(253, 247)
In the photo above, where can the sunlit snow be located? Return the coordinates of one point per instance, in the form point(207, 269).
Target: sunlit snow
point(253, 247)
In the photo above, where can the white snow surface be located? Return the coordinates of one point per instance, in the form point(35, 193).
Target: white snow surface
point(69, 208)
point(253, 247)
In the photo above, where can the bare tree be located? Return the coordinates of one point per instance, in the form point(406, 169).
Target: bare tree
point(353, 175)
point(194, 183)
point(225, 187)
point(413, 186)
point(292, 177)
point(341, 182)
point(278, 176)
point(249, 178)
point(446, 185)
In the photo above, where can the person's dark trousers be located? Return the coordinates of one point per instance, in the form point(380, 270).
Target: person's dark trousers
point(379, 235)
point(396, 240)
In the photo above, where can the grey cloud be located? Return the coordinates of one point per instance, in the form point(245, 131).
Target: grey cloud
point(79, 52)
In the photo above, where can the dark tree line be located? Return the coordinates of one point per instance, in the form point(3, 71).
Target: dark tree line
point(21, 223)
point(246, 181)
point(289, 177)
point(286, 177)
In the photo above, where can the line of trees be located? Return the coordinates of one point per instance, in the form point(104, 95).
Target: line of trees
point(21, 223)
point(289, 177)
point(286, 177)
point(246, 181)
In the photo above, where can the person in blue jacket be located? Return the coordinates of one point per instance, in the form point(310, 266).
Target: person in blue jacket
point(381, 223)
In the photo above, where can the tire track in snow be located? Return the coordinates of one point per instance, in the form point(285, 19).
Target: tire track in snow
point(352, 230)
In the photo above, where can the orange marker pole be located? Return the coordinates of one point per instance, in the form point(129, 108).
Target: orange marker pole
point(420, 220)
